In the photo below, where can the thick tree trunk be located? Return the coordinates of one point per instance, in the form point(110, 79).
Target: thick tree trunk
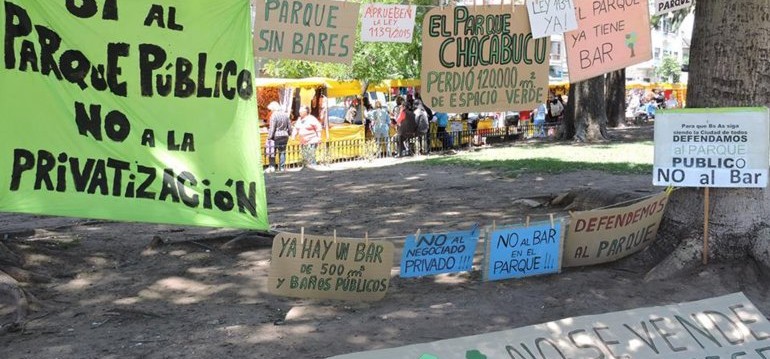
point(567, 129)
point(615, 93)
point(728, 67)
point(590, 110)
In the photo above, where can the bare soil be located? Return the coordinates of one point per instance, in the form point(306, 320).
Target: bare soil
point(117, 293)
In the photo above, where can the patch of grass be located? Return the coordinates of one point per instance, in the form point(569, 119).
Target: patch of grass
point(621, 158)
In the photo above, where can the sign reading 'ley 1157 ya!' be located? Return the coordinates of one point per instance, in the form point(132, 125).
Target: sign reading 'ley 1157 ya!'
point(725, 147)
point(482, 59)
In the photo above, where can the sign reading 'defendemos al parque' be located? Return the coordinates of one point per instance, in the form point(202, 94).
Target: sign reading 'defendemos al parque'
point(724, 147)
point(482, 58)
point(130, 110)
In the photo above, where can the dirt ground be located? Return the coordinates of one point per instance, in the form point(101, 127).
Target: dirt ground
point(113, 295)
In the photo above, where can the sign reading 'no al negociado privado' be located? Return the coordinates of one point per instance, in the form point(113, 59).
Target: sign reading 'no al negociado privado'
point(482, 59)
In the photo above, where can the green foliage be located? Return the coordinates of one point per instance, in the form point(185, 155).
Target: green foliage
point(559, 158)
point(372, 61)
point(669, 69)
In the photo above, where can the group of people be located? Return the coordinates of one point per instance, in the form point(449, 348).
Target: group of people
point(551, 112)
point(410, 118)
point(307, 128)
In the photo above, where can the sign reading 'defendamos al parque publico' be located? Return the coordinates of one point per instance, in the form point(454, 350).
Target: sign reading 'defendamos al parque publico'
point(725, 147)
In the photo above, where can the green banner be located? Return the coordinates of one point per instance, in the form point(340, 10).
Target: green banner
point(131, 110)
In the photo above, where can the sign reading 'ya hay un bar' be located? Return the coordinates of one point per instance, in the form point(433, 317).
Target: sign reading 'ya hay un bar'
point(722, 147)
point(311, 30)
point(607, 235)
point(718, 328)
point(611, 35)
point(130, 110)
point(309, 266)
point(482, 59)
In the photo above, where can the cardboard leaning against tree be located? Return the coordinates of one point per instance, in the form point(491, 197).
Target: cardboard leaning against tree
point(131, 110)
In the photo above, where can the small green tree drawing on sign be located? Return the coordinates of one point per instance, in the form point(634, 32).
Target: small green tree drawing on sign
point(631, 41)
point(427, 356)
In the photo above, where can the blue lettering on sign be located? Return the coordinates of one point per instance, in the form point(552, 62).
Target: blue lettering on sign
point(436, 253)
point(524, 251)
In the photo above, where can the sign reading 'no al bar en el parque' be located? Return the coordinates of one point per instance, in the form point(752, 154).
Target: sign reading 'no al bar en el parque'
point(130, 110)
point(524, 251)
point(311, 30)
point(611, 35)
point(482, 58)
point(723, 147)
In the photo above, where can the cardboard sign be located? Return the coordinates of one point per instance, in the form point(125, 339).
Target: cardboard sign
point(482, 59)
point(723, 327)
point(611, 35)
point(607, 235)
point(311, 30)
point(132, 111)
point(387, 23)
point(324, 268)
point(724, 147)
point(666, 6)
point(549, 17)
point(436, 253)
point(524, 251)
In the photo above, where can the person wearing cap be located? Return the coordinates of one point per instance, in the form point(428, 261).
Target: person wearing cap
point(278, 133)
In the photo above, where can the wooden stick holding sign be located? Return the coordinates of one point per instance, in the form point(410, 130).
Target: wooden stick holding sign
point(706, 226)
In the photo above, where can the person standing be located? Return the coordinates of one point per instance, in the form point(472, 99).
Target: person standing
point(308, 129)
point(555, 108)
point(278, 132)
point(442, 120)
point(407, 128)
point(423, 125)
point(380, 126)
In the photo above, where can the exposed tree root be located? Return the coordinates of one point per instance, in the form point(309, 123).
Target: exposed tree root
point(11, 275)
point(761, 248)
point(686, 256)
point(11, 288)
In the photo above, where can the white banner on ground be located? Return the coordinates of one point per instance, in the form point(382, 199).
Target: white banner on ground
point(723, 327)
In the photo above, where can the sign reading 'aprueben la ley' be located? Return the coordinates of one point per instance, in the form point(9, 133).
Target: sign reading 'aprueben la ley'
point(725, 147)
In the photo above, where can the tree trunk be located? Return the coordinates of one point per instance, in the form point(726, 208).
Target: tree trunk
point(728, 67)
point(590, 110)
point(615, 93)
point(567, 129)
